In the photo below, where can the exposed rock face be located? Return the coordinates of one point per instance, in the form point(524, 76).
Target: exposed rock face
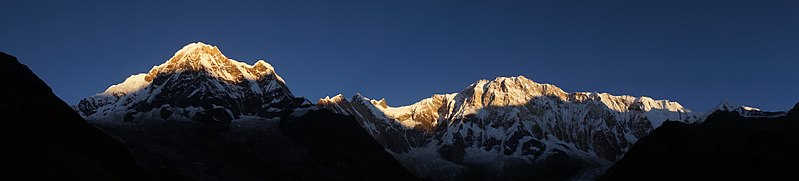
point(198, 83)
point(43, 139)
point(728, 145)
point(510, 129)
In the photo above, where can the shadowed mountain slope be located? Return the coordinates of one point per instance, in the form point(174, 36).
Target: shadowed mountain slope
point(726, 146)
point(44, 139)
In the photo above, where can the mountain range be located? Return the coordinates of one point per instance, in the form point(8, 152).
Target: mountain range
point(510, 128)
point(203, 116)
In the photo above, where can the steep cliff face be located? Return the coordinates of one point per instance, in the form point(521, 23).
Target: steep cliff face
point(198, 83)
point(728, 145)
point(43, 139)
point(510, 128)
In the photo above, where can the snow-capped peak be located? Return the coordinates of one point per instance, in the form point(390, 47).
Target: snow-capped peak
point(196, 48)
point(197, 77)
point(202, 57)
point(198, 57)
point(505, 91)
point(335, 99)
point(262, 65)
point(515, 91)
point(727, 106)
point(743, 110)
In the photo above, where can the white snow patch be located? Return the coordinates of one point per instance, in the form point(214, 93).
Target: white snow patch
point(132, 84)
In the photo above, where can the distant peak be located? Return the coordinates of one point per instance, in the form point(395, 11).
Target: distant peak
point(499, 80)
point(327, 100)
point(261, 62)
point(512, 84)
point(742, 110)
point(358, 96)
point(515, 78)
point(381, 103)
point(193, 53)
point(745, 110)
point(336, 98)
point(727, 106)
point(199, 56)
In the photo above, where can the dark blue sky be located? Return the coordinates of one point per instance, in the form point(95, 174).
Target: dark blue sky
point(695, 52)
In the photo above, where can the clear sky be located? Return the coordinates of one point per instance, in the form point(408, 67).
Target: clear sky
point(695, 52)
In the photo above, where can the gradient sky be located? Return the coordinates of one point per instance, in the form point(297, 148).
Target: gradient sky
point(695, 52)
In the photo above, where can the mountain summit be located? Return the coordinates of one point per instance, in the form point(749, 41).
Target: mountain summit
point(202, 57)
point(198, 83)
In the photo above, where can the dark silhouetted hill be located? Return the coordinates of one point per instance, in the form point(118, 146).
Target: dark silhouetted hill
point(42, 138)
point(726, 146)
point(339, 143)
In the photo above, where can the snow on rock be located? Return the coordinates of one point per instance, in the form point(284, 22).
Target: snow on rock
point(200, 56)
point(744, 111)
point(130, 85)
point(513, 122)
point(336, 104)
point(198, 82)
